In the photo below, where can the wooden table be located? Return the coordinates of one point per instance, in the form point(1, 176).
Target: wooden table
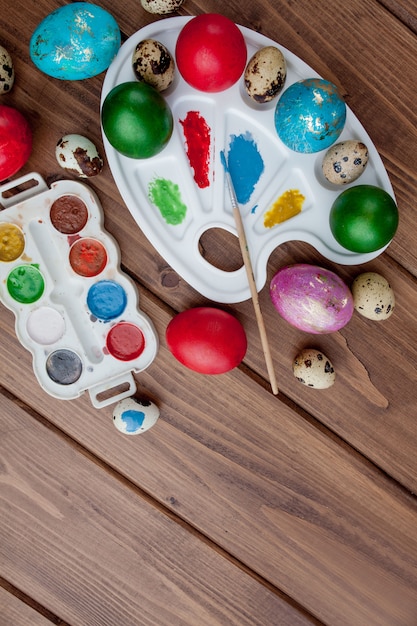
point(237, 507)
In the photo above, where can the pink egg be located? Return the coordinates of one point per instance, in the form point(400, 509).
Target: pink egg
point(311, 298)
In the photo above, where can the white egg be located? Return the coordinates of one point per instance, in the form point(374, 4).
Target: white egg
point(373, 296)
point(133, 416)
point(78, 155)
point(313, 369)
point(160, 7)
point(6, 71)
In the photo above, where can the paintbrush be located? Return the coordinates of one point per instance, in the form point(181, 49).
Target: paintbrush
point(251, 278)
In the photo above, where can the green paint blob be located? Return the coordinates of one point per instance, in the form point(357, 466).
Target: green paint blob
point(25, 284)
point(167, 197)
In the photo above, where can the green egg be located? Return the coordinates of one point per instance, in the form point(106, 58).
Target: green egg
point(364, 218)
point(136, 120)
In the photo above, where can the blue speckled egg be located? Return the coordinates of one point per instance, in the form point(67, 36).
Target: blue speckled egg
point(76, 41)
point(133, 416)
point(310, 115)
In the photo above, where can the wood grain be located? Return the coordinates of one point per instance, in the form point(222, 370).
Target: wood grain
point(237, 507)
point(73, 531)
point(15, 612)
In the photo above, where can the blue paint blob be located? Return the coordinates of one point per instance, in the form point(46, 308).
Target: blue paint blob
point(133, 420)
point(106, 300)
point(245, 165)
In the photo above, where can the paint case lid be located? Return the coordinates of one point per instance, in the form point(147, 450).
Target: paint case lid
point(76, 311)
point(231, 114)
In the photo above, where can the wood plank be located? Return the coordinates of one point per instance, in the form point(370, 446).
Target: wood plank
point(93, 549)
point(404, 10)
point(236, 460)
point(14, 612)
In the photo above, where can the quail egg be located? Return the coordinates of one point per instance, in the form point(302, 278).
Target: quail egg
point(265, 74)
point(133, 416)
point(6, 71)
point(153, 64)
point(78, 155)
point(160, 7)
point(373, 296)
point(344, 162)
point(313, 369)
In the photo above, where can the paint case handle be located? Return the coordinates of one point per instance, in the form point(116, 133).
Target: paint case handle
point(21, 189)
point(112, 390)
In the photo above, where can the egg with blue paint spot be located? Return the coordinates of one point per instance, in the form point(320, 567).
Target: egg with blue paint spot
point(76, 41)
point(310, 115)
point(133, 416)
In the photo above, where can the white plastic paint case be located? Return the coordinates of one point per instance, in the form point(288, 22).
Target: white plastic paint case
point(68, 342)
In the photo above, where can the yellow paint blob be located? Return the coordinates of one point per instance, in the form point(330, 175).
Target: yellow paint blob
point(287, 205)
point(12, 242)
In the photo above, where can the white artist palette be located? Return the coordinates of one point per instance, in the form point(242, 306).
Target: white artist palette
point(231, 114)
point(76, 311)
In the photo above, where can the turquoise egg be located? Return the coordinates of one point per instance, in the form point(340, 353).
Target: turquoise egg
point(76, 41)
point(310, 115)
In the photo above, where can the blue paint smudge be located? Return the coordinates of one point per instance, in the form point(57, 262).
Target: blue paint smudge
point(245, 165)
point(133, 420)
point(223, 160)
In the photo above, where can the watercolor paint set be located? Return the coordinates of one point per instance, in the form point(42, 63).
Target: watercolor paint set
point(179, 194)
point(75, 310)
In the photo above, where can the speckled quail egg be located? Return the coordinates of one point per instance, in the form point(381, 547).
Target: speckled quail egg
point(373, 296)
point(133, 416)
point(6, 71)
point(344, 162)
point(160, 7)
point(153, 63)
point(265, 74)
point(78, 155)
point(313, 369)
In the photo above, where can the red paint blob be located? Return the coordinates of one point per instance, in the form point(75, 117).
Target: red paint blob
point(125, 341)
point(197, 137)
point(88, 257)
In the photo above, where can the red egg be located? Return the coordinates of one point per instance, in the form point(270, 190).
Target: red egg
point(206, 340)
point(211, 52)
point(15, 141)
